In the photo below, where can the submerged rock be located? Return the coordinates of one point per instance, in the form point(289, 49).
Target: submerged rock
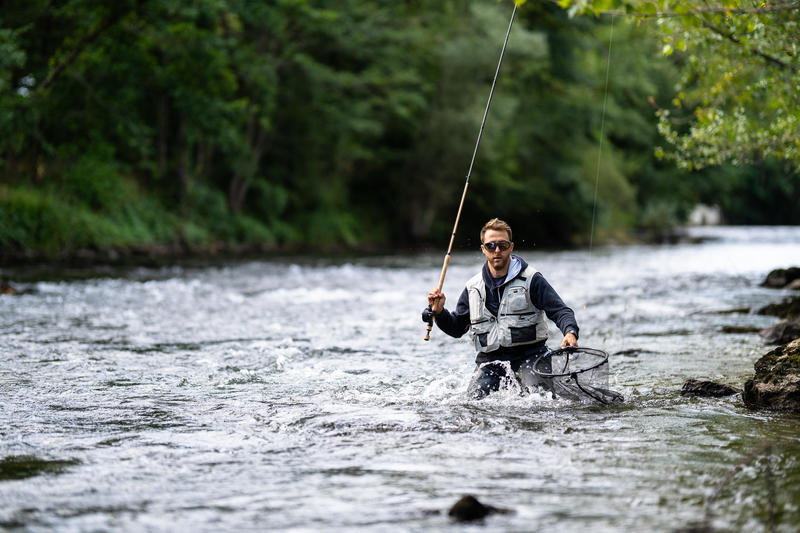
point(701, 527)
point(694, 387)
point(736, 311)
point(781, 277)
point(776, 384)
point(25, 466)
point(783, 332)
point(468, 508)
point(787, 308)
point(740, 329)
point(6, 288)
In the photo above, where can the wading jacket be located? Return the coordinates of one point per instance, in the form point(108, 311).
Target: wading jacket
point(506, 320)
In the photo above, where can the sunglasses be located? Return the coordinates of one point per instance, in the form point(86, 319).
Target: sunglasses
point(492, 246)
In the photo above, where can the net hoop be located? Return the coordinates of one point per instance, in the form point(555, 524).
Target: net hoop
point(600, 355)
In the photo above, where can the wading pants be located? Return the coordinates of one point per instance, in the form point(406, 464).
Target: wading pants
point(489, 377)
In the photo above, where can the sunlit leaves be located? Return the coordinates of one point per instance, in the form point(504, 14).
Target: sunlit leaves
point(742, 76)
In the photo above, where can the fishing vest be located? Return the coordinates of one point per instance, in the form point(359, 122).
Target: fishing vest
point(517, 322)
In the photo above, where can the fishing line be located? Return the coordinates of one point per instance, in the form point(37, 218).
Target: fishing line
point(602, 132)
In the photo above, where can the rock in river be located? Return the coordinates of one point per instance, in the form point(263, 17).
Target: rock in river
point(787, 308)
point(694, 387)
point(6, 288)
point(783, 332)
point(776, 384)
point(468, 508)
point(781, 277)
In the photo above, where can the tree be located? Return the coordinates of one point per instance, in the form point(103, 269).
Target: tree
point(738, 98)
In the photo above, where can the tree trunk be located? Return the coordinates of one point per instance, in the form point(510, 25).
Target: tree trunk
point(240, 182)
point(184, 173)
point(163, 132)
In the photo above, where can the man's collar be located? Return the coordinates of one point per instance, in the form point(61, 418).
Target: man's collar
point(514, 268)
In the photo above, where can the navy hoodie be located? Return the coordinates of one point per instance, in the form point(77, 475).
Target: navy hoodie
point(543, 296)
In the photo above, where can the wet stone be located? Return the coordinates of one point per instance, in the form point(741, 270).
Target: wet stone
point(468, 508)
point(736, 311)
point(776, 383)
point(710, 389)
point(25, 466)
point(789, 307)
point(696, 528)
point(783, 332)
point(740, 329)
point(7, 288)
point(781, 277)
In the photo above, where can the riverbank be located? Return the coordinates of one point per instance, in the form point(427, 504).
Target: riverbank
point(146, 255)
point(182, 251)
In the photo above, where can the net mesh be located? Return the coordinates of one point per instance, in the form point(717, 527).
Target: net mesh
point(577, 374)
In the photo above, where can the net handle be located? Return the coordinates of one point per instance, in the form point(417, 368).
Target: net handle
point(568, 350)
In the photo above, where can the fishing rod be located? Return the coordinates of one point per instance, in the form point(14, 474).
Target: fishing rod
point(427, 314)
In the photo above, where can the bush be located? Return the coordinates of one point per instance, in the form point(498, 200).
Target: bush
point(41, 221)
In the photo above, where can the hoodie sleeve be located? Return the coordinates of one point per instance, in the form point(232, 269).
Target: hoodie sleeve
point(547, 299)
point(456, 323)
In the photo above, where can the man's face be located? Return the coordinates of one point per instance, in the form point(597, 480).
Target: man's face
point(498, 258)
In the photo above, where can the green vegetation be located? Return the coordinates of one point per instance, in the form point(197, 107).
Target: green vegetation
point(191, 125)
point(738, 96)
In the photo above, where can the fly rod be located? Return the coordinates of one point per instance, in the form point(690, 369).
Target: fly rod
point(427, 314)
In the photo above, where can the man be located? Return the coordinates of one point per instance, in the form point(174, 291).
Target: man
point(502, 307)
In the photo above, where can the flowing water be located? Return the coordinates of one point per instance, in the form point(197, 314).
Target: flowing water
point(298, 395)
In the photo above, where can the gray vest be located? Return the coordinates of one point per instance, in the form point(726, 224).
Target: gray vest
point(518, 321)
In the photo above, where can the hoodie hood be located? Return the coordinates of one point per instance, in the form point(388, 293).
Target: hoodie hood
point(515, 267)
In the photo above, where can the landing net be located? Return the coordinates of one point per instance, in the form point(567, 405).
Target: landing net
point(577, 374)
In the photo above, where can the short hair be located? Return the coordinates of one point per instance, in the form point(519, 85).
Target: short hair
point(497, 225)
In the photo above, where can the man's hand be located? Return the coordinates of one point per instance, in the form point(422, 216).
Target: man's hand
point(569, 340)
point(436, 300)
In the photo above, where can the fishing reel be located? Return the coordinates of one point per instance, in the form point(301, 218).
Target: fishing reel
point(427, 317)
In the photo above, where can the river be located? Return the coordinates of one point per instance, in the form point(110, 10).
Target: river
point(297, 394)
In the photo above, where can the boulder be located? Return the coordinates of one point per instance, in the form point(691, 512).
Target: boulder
point(794, 286)
point(776, 384)
point(468, 508)
point(783, 332)
point(787, 308)
point(781, 277)
point(6, 288)
point(694, 387)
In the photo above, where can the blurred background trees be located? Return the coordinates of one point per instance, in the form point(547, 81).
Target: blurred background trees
point(351, 124)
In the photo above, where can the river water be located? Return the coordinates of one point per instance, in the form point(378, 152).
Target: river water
point(298, 395)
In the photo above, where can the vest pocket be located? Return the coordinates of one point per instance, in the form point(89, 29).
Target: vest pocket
point(480, 339)
point(523, 327)
point(480, 333)
point(523, 334)
point(517, 300)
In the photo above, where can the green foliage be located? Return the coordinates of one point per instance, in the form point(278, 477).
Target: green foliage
point(43, 221)
point(765, 193)
point(94, 180)
point(351, 123)
point(659, 218)
point(738, 97)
